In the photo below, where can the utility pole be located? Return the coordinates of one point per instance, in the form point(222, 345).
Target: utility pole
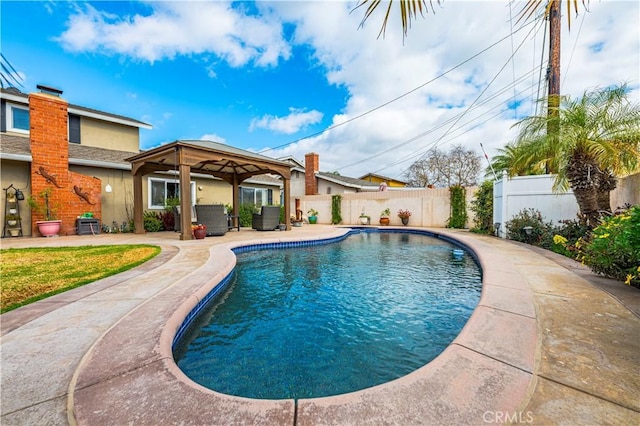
point(553, 73)
point(554, 49)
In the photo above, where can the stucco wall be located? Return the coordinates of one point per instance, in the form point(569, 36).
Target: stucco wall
point(17, 173)
point(627, 191)
point(428, 207)
point(102, 134)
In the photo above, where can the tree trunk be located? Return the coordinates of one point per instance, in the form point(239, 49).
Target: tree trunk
point(607, 183)
point(583, 174)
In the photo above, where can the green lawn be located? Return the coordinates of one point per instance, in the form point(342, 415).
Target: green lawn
point(31, 274)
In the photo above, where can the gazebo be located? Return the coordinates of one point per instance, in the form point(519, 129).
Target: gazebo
point(230, 164)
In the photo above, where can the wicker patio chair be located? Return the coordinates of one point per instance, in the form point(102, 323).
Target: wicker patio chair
point(214, 217)
point(267, 220)
point(176, 215)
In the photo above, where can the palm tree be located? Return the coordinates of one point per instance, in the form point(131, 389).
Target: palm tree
point(409, 10)
point(507, 160)
point(598, 139)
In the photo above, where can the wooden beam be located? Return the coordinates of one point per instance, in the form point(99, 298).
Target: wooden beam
point(287, 203)
point(185, 198)
point(138, 219)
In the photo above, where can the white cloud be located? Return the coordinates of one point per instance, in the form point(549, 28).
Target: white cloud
point(297, 119)
point(213, 138)
point(179, 28)
point(467, 105)
point(440, 113)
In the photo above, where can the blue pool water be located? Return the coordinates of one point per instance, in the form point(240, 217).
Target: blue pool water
point(330, 319)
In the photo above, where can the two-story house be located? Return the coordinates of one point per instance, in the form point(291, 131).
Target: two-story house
point(79, 154)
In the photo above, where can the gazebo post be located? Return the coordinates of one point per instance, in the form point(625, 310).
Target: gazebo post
point(138, 219)
point(185, 202)
point(287, 203)
point(235, 196)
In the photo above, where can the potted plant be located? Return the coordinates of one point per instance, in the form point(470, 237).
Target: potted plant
point(312, 216)
point(12, 219)
point(50, 226)
point(385, 216)
point(404, 216)
point(364, 219)
point(199, 231)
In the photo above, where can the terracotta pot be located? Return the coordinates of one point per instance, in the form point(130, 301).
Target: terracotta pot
point(384, 221)
point(200, 233)
point(49, 228)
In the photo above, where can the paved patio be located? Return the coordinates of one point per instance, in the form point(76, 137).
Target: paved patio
point(549, 343)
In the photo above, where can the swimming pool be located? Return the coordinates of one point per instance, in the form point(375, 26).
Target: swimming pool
point(324, 320)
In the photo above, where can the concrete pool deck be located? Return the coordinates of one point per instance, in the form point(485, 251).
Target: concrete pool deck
point(549, 343)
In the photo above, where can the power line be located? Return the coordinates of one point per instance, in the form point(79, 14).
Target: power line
point(483, 90)
point(398, 97)
point(444, 123)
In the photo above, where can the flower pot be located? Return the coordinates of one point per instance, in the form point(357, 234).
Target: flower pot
point(12, 222)
point(313, 220)
point(364, 220)
point(405, 220)
point(49, 228)
point(199, 234)
point(13, 211)
point(384, 221)
point(14, 232)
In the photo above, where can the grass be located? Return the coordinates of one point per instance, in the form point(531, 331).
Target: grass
point(31, 274)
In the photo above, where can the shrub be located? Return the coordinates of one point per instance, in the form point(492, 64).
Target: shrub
point(152, 222)
point(245, 214)
point(613, 248)
point(567, 235)
point(168, 220)
point(336, 207)
point(458, 218)
point(482, 207)
point(541, 232)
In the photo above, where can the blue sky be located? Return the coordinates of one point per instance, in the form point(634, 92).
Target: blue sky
point(265, 75)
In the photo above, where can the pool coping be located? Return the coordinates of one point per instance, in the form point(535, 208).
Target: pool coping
point(489, 367)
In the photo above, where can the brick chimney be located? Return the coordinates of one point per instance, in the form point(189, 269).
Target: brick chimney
point(48, 133)
point(311, 167)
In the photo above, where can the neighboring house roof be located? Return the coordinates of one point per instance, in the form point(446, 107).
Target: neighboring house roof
point(381, 177)
point(15, 95)
point(297, 165)
point(347, 181)
point(264, 180)
point(18, 148)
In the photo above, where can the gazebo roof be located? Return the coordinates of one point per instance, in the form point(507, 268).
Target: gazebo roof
point(207, 157)
point(230, 164)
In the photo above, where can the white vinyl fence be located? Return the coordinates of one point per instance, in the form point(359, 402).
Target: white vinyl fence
point(512, 195)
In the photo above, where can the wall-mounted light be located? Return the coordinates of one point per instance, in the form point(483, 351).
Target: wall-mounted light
point(108, 188)
point(200, 188)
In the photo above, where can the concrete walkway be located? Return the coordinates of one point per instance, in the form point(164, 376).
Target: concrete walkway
point(549, 343)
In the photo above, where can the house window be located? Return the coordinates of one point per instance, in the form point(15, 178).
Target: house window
point(17, 119)
point(256, 196)
point(160, 190)
point(74, 128)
